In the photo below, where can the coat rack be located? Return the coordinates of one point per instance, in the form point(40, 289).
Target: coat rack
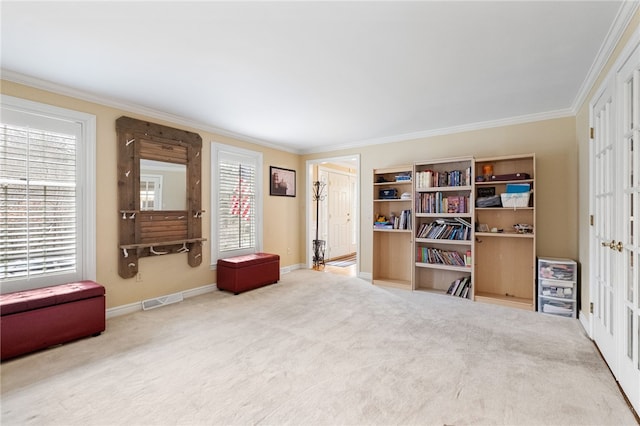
point(318, 245)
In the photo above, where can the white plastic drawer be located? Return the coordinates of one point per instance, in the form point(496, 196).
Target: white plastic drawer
point(556, 306)
point(557, 269)
point(561, 289)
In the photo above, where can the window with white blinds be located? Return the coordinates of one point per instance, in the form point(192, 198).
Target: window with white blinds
point(42, 213)
point(236, 182)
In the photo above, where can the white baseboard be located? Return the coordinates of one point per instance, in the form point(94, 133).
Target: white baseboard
point(137, 306)
point(586, 323)
point(199, 290)
point(287, 269)
point(368, 276)
point(124, 309)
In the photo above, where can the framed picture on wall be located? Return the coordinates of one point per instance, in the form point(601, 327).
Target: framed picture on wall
point(283, 182)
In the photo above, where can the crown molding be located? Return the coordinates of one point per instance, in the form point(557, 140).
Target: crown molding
point(63, 90)
point(152, 113)
point(550, 115)
point(620, 23)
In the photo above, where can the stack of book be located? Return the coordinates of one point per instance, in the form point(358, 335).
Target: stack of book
point(382, 225)
point(441, 229)
point(441, 257)
point(460, 287)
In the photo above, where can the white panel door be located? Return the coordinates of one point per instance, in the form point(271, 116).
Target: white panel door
point(603, 204)
point(628, 84)
point(339, 241)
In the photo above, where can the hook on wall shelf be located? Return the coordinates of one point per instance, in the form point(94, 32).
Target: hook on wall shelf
point(152, 250)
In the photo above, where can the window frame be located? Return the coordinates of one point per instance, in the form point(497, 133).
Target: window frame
point(157, 181)
point(85, 187)
point(256, 157)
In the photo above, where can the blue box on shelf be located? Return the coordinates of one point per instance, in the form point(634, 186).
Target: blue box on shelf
point(517, 188)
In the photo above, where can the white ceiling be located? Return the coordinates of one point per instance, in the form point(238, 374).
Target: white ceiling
point(308, 76)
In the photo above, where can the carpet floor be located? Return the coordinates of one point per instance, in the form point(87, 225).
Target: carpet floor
point(319, 349)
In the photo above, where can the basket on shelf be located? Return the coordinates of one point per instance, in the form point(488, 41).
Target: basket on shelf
point(515, 199)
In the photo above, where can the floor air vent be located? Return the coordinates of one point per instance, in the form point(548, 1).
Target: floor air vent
point(161, 301)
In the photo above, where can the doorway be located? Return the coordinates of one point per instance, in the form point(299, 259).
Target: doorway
point(337, 213)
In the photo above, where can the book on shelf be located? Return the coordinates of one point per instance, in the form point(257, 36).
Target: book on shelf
point(467, 288)
point(463, 221)
point(460, 287)
point(443, 229)
point(395, 222)
point(453, 205)
point(432, 178)
point(382, 225)
point(405, 220)
point(440, 257)
point(435, 202)
point(454, 285)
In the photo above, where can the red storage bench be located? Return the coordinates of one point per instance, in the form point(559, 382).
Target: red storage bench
point(37, 319)
point(242, 273)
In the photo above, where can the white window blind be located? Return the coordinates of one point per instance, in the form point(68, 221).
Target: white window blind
point(237, 202)
point(43, 223)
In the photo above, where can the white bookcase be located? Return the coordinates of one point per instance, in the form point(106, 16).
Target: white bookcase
point(392, 242)
point(443, 226)
point(504, 257)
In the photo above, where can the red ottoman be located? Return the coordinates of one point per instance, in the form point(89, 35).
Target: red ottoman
point(37, 319)
point(242, 273)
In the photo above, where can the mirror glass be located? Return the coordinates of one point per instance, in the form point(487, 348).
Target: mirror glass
point(163, 185)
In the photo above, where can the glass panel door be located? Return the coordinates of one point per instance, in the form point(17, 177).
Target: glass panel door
point(629, 248)
point(603, 199)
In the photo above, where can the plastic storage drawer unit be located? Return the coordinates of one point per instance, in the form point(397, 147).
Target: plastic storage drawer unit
point(557, 289)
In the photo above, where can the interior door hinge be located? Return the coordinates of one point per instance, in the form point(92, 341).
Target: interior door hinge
point(591, 307)
point(592, 133)
point(591, 220)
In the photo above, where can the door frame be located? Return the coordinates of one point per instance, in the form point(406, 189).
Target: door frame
point(310, 207)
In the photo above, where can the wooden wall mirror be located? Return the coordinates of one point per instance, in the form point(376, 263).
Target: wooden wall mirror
point(159, 193)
